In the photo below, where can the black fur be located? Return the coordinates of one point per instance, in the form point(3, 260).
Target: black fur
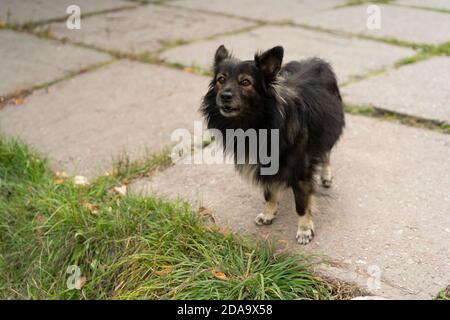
point(301, 99)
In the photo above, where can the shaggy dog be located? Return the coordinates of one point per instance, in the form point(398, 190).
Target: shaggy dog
point(301, 100)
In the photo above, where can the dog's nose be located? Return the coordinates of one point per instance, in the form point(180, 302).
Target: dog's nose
point(226, 96)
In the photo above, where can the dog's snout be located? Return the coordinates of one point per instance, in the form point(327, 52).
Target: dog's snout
point(226, 96)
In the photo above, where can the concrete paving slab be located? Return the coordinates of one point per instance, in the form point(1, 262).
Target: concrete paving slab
point(23, 11)
point(408, 24)
point(27, 60)
point(385, 218)
point(267, 10)
point(349, 56)
point(82, 124)
point(146, 28)
point(420, 89)
point(432, 4)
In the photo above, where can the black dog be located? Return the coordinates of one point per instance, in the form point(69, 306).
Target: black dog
point(301, 100)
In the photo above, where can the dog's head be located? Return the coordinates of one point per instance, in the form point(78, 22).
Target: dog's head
point(240, 87)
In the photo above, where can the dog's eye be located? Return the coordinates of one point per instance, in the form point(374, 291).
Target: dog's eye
point(245, 83)
point(221, 79)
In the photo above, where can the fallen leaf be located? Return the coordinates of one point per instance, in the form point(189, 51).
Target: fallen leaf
point(219, 275)
point(163, 272)
point(80, 181)
point(18, 101)
point(205, 212)
point(59, 181)
point(60, 174)
point(40, 217)
point(122, 190)
point(80, 283)
point(223, 231)
point(188, 69)
point(110, 172)
point(90, 207)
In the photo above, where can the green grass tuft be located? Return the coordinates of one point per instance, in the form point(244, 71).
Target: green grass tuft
point(350, 3)
point(404, 119)
point(127, 247)
point(444, 294)
point(426, 52)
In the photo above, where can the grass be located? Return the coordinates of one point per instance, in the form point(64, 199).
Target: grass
point(426, 52)
point(408, 120)
point(359, 2)
point(434, 9)
point(21, 94)
point(127, 247)
point(444, 294)
point(30, 25)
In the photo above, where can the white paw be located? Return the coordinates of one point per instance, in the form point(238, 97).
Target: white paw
point(262, 219)
point(304, 235)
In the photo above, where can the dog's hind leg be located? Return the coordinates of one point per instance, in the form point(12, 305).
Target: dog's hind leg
point(303, 193)
point(271, 194)
point(325, 175)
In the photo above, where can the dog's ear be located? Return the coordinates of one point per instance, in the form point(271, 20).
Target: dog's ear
point(269, 62)
point(221, 54)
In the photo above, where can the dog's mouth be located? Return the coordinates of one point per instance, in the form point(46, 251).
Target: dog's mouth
point(228, 111)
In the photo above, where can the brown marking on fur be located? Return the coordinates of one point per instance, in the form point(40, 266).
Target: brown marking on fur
point(244, 76)
point(218, 83)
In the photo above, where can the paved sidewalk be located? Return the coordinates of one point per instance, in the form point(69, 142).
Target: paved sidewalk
point(26, 11)
point(298, 44)
point(386, 216)
point(88, 122)
point(146, 28)
point(28, 61)
point(386, 210)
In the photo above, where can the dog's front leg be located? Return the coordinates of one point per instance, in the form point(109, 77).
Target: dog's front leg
point(303, 193)
point(271, 194)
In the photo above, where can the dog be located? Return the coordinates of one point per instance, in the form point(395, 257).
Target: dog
point(300, 99)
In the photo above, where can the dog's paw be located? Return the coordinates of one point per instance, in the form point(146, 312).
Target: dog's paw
point(262, 219)
point(304, 235)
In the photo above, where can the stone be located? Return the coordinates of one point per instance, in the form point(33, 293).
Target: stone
point(349, 56)
point(145, 29)
point(420, 90)
point(267, 10)
point(432, 4)
point(387, 177)
point(27, 60)
point(403, 23)
point(126, 108)
point(24, 11)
